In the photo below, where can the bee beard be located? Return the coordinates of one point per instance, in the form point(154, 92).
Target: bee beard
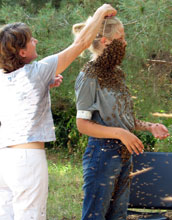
point(106, 68)
point(112, 56)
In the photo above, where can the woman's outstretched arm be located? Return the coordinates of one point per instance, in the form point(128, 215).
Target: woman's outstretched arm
point(85, 38)
point(90, 128)
point(158, 130)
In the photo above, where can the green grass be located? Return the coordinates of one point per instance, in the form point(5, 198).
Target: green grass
point(65, 188)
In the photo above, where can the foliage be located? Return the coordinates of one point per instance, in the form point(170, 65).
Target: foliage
point(165, 145)
point(32, 6)
point(148, 33)
point(147, 139)
point(66, 131)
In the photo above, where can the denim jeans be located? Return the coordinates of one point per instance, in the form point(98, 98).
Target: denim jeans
point(106, 181)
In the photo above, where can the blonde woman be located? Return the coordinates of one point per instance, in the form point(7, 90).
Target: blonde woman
point(105, 114)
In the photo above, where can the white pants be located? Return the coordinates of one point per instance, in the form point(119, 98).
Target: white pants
point(23, 184)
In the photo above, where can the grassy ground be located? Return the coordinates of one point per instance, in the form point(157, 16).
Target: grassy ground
point(65, 188)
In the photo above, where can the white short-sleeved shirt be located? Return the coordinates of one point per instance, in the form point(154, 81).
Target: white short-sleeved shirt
point(25, 106)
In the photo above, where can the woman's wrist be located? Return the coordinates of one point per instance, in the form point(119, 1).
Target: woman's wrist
point(118, 133)
point(152, 126)
point(143, 126)
point(99, 14)
point(149, 127)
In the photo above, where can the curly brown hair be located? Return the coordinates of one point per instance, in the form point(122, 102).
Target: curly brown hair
point(13, 37)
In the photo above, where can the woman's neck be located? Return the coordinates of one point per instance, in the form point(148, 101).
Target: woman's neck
point(96, 55)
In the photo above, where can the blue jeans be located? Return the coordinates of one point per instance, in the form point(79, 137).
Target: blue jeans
point(106, 181)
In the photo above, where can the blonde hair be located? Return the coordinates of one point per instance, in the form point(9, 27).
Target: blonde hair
point(108, 28)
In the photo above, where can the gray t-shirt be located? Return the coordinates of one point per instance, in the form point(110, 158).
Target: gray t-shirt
point(25, 111)
point(102, 105)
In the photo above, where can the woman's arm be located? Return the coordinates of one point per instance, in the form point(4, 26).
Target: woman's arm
point(158, 130)
point(85, 38)
point(99, 131)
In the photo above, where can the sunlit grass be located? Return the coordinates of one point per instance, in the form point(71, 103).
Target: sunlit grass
point(65, 189)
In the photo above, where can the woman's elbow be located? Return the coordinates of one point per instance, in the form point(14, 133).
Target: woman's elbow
point(81, 124)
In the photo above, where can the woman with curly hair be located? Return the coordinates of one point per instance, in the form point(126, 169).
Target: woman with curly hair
point(26, 121)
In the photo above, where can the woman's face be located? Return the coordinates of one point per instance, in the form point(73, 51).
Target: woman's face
point(120, 35)
point(29, 53)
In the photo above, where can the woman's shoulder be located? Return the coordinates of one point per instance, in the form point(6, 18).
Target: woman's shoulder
point(86, 73)
point(83, 79)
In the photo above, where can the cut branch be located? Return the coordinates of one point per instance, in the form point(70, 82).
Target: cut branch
point(132, 22)
point(159, 61)
point(156, 114)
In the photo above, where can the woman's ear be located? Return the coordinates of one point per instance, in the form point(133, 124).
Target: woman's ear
point(103, 40)
point(22, 53)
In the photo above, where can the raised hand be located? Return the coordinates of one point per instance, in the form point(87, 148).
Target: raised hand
point(108, 10)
